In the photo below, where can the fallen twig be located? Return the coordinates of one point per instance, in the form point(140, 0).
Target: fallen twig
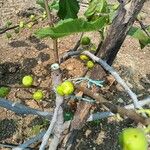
point(116, 76)
point(30, 141)
point(102, 115)
point(113, 108)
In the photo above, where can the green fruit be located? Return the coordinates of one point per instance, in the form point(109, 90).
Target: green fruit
point(85, 40)
point(8, 35)
point(4, 91)
point(32, 17)
point(133, 139)
point(38, 95)
point(84, 57)
point(8, 23)
point(44, 16)
point(90, 64)
point(67, 87)
point(30, 25)
point(44, 13)
point(16, 30)
point(27, 81)
point(21, 24)
point(59, 90)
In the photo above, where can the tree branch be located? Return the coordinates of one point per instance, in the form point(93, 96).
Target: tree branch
point(115, 75)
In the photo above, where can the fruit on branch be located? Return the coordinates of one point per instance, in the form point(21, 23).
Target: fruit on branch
point(16, 30)
point(21, 24)
point(59, 90)
point(4, 91)
point(66, 88)
point(133, 139)
point(27, 81)
point(38, 95)
point(32, 17)
point(8, 23)
point(85, 40)
point(90, 64)
point(30, 25)
point(8, 35)
point(84, 57)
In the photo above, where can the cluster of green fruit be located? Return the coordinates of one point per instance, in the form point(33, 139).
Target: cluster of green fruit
point(89, 63)
point(27, 81)
point(23, 24)
point(65, 89)
point(133, 139)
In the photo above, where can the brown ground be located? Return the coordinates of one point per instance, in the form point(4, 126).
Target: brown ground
point(24, 54)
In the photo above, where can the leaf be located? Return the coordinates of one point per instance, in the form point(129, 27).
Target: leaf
point(139, 34)
point(71, 26)
point(96, 7)
point(68, 9)
point(53, 5)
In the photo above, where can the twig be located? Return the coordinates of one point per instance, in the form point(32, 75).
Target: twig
point(30, 141)
point(23, 110)
point(102, 115)
point(143, 27)
point(57, 119)
point(113, 108)
point(116, 76)
point(5, 29)
point(72, 52)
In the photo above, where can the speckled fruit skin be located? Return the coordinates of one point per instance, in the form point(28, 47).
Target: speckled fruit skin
point(133, 139)
point(27, 81)
point(84, 57)
point(67, 87)
point(90, 64)
point(85, 40)
point(59, 90)
point(38, 95)
point(4, 91)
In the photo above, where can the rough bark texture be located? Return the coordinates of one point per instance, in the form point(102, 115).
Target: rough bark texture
point(108, 51)
point(117, 34)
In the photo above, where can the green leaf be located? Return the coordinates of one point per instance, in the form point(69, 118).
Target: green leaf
point(71, 26)
point(68, 9)
point(53, 5)
point(137, 33)
point(96, 8)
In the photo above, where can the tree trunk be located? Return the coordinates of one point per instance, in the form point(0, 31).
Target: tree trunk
point(116, 35)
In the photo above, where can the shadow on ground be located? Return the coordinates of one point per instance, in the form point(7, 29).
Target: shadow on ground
point(7, 128)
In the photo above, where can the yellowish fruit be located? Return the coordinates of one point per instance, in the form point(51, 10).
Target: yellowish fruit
point(59, 90)
point(67, 87)
point(38, 95)
point(21, 24)
point(84, 57)
point(32, 17)
point(30, 25)
point(27, 81)
point(90, 64)
point(133, 139)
